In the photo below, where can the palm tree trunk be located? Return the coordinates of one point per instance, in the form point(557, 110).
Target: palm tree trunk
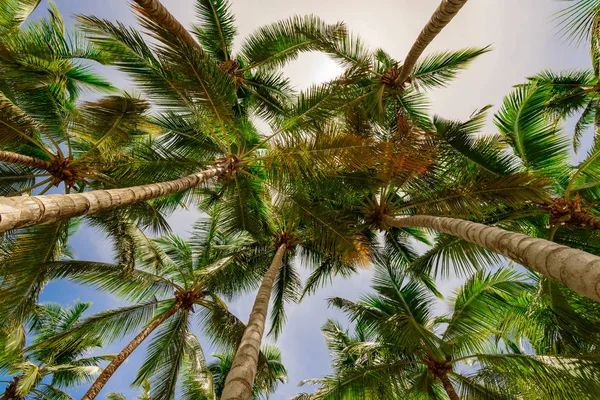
point(157, 13)
point(16, 158)
point(10, 393)
point(21, 211)
point(448, 387)
point(585, 219)
point(126, 352)
point(240, 379)
point(576, 269)
point(440, 18)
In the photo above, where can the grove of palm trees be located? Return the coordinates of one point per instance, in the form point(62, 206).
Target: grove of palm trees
point(181, 219)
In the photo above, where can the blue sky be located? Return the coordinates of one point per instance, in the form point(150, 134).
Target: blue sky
point(524, 41)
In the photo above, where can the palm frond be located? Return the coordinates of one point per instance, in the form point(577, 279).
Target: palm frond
point(276, 44)
point(578, 22)
point(286, 289)
point(437, 70)
point(532, 136)
point(164, 357)
point(217, 28)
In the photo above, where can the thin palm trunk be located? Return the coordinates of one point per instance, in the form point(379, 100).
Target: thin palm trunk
point(240, 379)
point(21, 211)
point(156, 12)
point(440, 18)
point(126, 352)
point(576, 269)
point(16, 158)
point(448, 387)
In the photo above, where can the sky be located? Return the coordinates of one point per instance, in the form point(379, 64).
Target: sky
point(524, 41)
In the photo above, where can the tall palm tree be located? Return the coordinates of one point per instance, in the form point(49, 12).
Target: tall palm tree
point(44, 373)
point(374, 83)
point(402, 350)
point(418, 184)
point(46, 139)
point(205, 114)
point(297, 226)
point(174, 277)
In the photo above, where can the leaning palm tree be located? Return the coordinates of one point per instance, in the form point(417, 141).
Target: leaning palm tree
point(528, 141)
point(204, 116)
point(401, 350)
point(44, 373)
point(417, 185)
point(174, 277)
point(46, 138)
point(442, 16)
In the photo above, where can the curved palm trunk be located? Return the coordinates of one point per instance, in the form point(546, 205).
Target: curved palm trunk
point(576, 269)
point(440, 18)
point(156, 12)
point(448, 387)
point(126, 352)
point(16, 158)
point(240, 379)
point(21, 211)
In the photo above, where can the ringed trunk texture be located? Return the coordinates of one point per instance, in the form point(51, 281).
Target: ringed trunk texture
point(156, 12)
point(585, 219)
point(576, 269)
point(448, 387)
point(22, 211)
point(240, 379)
point(126, 352)
point(440, 18)
point(16, 158)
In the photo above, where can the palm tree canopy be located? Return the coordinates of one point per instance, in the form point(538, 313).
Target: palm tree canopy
point(401, 349)
point(39, 373)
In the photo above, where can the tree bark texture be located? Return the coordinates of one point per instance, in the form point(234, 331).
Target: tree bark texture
point(16, 158)
point(156, 12)
point(448, 387)
point(240, 379)
point(22, 211)
point(576, 269)
point(440, 18)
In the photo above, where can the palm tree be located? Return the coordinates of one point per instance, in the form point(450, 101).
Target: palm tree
point(207, 112)
point(43, 373)
point(417, 184)
point(46, 139)
point(173, 278)
point(401, 350)
point(297, 226)
point(375, 84)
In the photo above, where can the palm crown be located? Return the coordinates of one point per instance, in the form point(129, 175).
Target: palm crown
point(45, 373)
point(172, 278)
point(400, 350)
